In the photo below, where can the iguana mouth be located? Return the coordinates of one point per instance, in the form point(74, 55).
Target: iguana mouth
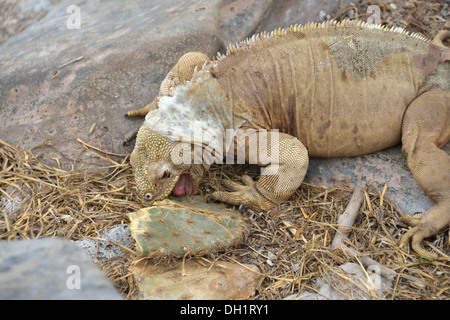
point(184, 185)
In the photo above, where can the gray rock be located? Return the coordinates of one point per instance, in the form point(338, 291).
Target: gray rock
point(119, 45)
point(50, 269)
point(59, 78)
point(348, 282)
point(355, 285)
point(387, 166)
point(239, 19)
point(17, 15)
point(288, 12)
point(104, 249)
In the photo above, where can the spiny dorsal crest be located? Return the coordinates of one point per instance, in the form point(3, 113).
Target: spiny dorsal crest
point(243, 45)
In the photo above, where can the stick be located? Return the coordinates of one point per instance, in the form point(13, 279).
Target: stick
point(71, 61)
point(347, 219)
point(345, 222)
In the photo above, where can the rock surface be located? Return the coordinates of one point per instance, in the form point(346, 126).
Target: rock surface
point(348, 282)
point(17, 15)
point(285, 13)
point(387, 166)
point(124, 50)
point(103, 249)
point(50, 269)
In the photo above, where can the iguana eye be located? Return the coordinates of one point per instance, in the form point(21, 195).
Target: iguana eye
point(148, 196)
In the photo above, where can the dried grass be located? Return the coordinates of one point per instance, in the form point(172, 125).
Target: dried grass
point(38, 200)
point(296, 238)
point(290, 245)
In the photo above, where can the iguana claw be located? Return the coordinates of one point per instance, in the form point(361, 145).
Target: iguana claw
point(245, 195)
point(423, 227)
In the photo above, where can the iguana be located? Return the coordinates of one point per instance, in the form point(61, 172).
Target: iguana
point(333, 89)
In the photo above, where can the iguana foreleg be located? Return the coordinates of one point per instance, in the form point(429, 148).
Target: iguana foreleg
point(280, 177)
point(426, 128)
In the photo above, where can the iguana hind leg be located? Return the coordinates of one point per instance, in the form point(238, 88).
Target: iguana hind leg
point(285, 160)
point(426, 128)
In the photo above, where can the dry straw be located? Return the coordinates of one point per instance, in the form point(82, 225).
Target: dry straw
point(291, 245)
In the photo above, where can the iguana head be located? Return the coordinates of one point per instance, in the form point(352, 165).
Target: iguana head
point(156, 174)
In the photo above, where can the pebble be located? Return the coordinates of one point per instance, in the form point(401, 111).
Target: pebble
point(104, 249)
point(335, 287)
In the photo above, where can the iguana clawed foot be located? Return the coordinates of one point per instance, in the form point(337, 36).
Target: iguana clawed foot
point(427, 225)
point(246, 194)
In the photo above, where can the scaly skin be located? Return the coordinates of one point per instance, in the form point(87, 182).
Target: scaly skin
point(332, 90)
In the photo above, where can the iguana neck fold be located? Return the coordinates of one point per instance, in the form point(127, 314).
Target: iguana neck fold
point(198, 112)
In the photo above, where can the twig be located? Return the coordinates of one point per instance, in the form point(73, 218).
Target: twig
point(345, 222)
point(71, 61)
point(87, 146)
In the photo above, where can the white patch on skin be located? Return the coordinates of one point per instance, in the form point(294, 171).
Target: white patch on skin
point(198, 110)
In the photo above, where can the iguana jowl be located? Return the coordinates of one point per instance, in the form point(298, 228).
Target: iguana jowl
point(331, 89)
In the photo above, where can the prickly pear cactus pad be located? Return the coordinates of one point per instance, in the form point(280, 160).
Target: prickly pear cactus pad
point(185, 226)
point(196, 279)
